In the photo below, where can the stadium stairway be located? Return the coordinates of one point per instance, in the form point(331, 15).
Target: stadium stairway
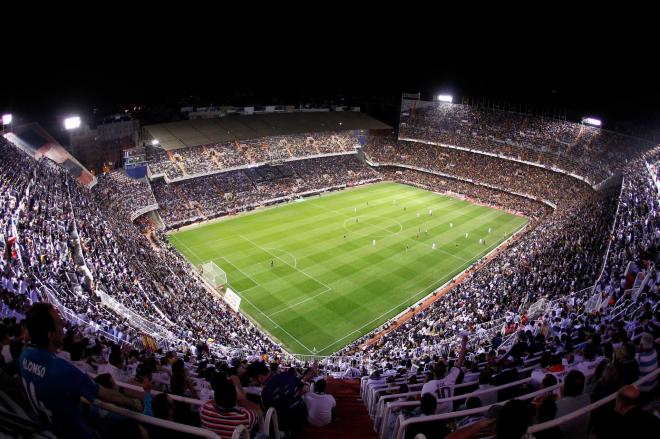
point(352, 420)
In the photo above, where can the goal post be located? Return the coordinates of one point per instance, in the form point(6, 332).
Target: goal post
point(214, 275)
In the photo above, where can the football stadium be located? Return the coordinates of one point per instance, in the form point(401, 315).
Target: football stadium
point(281, 271)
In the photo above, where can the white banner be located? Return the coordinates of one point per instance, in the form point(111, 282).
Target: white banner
point(232, 299)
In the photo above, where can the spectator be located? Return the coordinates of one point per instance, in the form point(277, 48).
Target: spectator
point(647, 360)
point(221, 415)
point(573, 399)
point(53, 384)
point(320, 406)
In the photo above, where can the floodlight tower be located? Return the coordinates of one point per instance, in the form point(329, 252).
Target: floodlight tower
point(71, 123)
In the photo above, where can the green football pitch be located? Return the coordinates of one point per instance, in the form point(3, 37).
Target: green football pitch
point(318, 274)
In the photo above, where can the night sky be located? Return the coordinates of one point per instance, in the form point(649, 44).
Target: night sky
point(72, 65)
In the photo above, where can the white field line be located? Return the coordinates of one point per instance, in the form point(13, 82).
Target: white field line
point(285, 262)
point(257, 284)
point(407, 239)
point(442, 282)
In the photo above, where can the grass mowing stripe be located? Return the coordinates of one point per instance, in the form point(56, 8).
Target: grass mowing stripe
point(329, 278)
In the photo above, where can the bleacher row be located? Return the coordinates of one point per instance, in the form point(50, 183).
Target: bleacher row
point(131, 196)
point(590, 152)
point(207, 159)
point(211, 196)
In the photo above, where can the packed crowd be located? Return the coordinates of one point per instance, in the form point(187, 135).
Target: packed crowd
point(207, 197)
point(481, 194)
point(500, 173)
point(207, 159)
point(579, 353)
point(590, 152)
point(62, 245)
point(561, 253)
point(117, 191)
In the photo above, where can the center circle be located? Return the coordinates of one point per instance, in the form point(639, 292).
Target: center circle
point(371, 226)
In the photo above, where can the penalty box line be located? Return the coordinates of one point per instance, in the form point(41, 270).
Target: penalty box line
point(327, 288)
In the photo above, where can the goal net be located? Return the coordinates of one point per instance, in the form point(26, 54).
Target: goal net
point(214, 274)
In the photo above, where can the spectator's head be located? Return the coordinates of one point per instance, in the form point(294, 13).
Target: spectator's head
point(548, 381)
point(573, 383)
point(258, 371)
point(163, 406)
point(45, 326)
point(440, 369)
point(628, 351)
point(225, 395)
point(428, 404)
point(513, 420)
point(105, 380)
point(177, 366)
point(627, 398)
point(646, 342)
point(319, 386)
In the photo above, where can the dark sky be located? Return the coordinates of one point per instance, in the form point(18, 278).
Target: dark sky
point(71, 64)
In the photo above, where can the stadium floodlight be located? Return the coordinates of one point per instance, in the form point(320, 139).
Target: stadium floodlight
point(71, 123)
point(154, 142)
point(445, 98)
point(6, 119)
point(592, 121)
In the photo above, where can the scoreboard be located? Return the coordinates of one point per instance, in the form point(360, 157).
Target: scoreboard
point(135, 162)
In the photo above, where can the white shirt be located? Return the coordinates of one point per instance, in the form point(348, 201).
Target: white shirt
point(319, 408)
point(434, 387)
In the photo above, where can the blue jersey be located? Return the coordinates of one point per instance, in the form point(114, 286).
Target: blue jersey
point(54, 387)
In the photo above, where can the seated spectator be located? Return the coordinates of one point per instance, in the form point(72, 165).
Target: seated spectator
point(627, 419)
point(573, 399)
point(548, 381)
point(442, 386)
point(471, 403)
point(320, 406)
point(428, 407)
point(648, 361)
point(221, 414)
point(547, 411)
point(283, 392)
point(626, 364)
point(54, 385)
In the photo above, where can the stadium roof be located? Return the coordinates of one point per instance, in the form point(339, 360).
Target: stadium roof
point(33, 139)
point(182, 134)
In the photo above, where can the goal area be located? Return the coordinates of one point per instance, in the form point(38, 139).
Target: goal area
point(213, 274)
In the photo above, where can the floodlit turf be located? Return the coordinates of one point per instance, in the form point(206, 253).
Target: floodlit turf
point(329, 284)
